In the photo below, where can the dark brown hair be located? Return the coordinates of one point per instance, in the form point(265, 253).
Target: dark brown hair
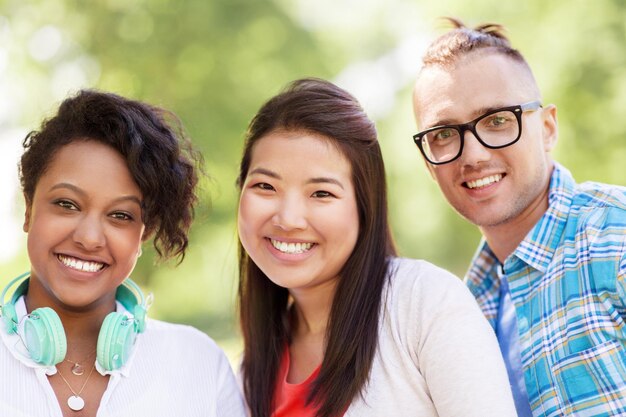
point(159, 156)
point(462, 40)
point(322, 108)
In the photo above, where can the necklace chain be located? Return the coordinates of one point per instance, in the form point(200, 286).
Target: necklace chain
point(70, 387)
point(76, 402)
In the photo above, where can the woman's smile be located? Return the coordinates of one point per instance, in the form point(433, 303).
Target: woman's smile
point(80, 264)
point(290, 247)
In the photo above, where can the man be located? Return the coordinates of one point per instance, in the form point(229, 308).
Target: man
point(550, 273)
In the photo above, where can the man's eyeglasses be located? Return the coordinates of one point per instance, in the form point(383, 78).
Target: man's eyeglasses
point(495, 129)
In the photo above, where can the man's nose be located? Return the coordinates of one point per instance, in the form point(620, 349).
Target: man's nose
point(474, 152)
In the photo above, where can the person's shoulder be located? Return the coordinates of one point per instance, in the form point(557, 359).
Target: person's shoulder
point(174, 333)
point(416, 278)
point(599, 208)
point(596, 195)
point(422, 295)
point(406, 270)
point(187, 356)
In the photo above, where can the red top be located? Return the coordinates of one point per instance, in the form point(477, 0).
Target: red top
point(290, 399)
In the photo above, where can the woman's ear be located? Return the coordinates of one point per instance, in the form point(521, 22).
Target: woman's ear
point(146, 235)
point(27, 212)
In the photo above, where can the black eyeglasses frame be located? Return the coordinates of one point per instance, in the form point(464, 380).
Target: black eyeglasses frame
point(471, 126)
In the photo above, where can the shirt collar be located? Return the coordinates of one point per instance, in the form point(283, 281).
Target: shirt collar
point(539, 245)
point(483, 281)
point(483, 264)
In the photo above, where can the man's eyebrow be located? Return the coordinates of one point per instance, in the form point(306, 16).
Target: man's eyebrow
point(475, 115)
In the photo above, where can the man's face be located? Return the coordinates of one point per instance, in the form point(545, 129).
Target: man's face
point(489, 187)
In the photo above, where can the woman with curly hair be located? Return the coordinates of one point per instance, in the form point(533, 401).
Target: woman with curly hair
point(102, 177)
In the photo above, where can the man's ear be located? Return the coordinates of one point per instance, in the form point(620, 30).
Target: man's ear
point(550, 127)
point(27, 213)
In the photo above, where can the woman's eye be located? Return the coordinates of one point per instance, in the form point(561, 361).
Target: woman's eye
point(263, 186)
point(121, 216)
point(66, 204)
point(322, 194)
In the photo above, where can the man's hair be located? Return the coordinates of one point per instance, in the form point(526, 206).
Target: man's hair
point(320, 107)
point(461, 40)
point(159, 157)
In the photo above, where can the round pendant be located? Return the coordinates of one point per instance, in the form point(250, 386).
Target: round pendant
point(77, 369)
point(75, 403)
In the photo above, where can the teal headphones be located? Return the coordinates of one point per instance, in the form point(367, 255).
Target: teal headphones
point(44, 336)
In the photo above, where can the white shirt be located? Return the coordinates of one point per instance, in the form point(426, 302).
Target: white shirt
point(437, 354)
point(174, 370)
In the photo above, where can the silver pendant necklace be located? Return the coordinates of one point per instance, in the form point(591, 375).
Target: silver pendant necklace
point(76, 402)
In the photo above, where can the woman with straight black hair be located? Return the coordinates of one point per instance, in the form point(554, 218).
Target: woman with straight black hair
point(333, 322)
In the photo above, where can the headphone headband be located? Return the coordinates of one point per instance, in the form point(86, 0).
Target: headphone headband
point(9, 285)
point(7, 311)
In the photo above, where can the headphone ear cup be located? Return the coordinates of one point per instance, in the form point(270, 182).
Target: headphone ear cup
point(115, 341)
point(44, 336)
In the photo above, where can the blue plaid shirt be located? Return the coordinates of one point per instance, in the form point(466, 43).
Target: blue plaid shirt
point(568, 283)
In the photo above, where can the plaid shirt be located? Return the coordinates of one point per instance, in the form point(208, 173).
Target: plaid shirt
point(568, 283)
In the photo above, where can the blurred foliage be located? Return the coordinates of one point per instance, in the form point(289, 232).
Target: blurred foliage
point(215, 62)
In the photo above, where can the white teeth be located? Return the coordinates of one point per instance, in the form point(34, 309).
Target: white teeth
point(80, 265)
point(482, 182)
point(291, 247)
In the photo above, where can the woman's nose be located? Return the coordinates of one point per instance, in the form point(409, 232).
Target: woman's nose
point(290, 214)
point(89, 232)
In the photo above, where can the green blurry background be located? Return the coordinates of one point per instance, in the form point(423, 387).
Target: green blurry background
point(215, 62)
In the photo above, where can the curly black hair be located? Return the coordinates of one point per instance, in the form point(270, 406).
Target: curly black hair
point(159, 156)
